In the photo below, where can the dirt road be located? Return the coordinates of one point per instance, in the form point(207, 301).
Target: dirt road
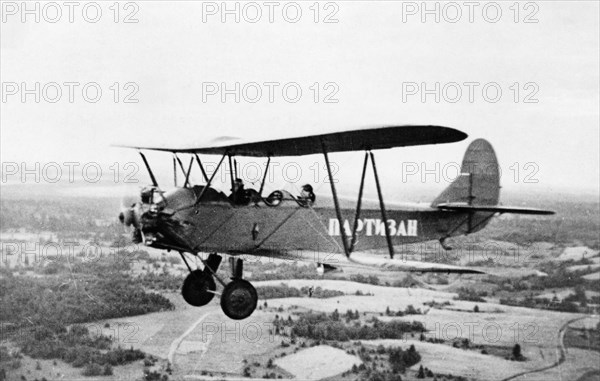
point(560, 348)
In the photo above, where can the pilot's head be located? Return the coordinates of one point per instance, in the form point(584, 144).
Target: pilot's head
point(307, 188)
point(237, 184)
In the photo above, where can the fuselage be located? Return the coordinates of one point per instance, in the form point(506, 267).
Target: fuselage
point(217, 225)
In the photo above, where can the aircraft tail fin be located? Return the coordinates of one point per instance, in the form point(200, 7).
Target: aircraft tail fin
point(479, 181)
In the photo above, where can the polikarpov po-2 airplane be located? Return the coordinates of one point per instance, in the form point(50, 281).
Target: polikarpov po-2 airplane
point(200, 219)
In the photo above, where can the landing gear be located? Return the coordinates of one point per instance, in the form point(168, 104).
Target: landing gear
point(198, 288)
point(239, 297)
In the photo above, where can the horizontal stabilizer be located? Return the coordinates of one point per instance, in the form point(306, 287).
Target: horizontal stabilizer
point(460, 207)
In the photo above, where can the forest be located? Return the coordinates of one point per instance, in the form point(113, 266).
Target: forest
point(320, 326)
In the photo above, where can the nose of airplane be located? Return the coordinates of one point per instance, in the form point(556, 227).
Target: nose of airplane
point(143, 215)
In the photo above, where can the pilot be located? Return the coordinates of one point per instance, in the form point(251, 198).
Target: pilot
point(238, 195)
point(307, 197)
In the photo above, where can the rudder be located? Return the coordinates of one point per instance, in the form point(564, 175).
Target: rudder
point(479, 180)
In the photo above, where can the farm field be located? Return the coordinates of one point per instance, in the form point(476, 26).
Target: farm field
point(318, 362)
point(200, 342)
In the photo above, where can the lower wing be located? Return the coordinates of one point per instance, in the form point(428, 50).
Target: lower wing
point(328, 262)
point(400, 265)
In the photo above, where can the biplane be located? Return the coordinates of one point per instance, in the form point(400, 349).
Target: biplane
point(196, 219)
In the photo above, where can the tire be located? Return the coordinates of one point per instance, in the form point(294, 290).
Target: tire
point(239, 299)
point(196, 288)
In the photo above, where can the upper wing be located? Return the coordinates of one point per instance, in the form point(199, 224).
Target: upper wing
point(355, 140)
point(460, 207)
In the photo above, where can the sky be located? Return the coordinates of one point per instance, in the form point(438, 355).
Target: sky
point(170, 79)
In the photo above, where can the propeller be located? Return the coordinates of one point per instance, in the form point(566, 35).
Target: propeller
point(129, 217)
point(127, 214)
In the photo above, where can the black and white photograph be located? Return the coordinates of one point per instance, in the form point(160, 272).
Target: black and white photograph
point(300, 190)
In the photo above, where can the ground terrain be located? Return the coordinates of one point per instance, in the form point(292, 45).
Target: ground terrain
point(541, 293)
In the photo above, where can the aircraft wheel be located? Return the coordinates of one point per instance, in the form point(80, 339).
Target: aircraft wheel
point(197, 288)
point(239, 299)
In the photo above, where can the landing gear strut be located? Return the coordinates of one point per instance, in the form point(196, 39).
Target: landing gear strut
point(239, 297)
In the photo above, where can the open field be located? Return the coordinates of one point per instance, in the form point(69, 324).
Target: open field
point(576, 253)
point(443, 359)
point(593, 276)
point(495, 324)
point(227, 344)
point(584, 267)
point(561, 294)
point(395, 298)
point(153, 333)
point(324, 362)
point(590, 322)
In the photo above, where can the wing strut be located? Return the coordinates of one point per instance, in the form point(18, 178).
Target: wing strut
point(149, 170)
point(210, 180)
point(338, 212)
point(174, 170)
point(187, 175)
point(471, 198)
point(359, 202)
point(201, 167)
point(262, 184)
point(382, 207)
point(230, 171)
